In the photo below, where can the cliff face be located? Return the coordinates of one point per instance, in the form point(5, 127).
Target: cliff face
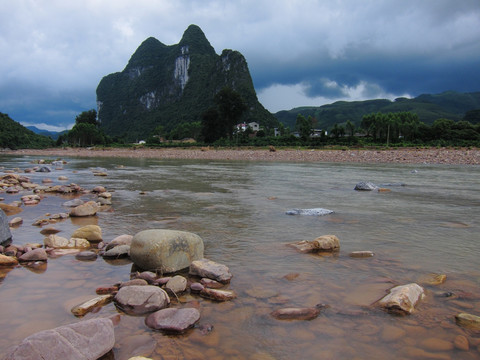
point(169, 85)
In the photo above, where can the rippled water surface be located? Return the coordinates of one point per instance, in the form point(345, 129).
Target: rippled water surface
point(427, 223)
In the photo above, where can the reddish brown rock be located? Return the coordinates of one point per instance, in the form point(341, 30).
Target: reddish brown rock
point(461, 343)
point(173, 319)
point(210, 269)
point(34, 255)
point(89, 339)
point(218, 295)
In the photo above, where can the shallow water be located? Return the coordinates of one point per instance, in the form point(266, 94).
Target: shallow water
point(427, 223)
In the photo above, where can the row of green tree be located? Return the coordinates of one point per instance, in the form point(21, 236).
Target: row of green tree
point(393, 128)
point(218, 127)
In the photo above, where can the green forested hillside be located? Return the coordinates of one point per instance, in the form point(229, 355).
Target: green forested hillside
point(15, 136)
point(168, 86)
point(449, 105)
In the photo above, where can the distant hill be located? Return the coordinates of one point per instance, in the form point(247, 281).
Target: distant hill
point(13, 135)
point(173, 85)
point(53, 134)
point(450, 105)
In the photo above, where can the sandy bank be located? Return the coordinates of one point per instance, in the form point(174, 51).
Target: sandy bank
point(402, 155)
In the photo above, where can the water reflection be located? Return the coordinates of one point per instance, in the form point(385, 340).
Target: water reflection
point(428, 225)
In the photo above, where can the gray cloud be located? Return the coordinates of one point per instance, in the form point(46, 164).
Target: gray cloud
point(56, 52)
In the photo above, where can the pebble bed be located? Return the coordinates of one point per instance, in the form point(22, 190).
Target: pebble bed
point(460, 156)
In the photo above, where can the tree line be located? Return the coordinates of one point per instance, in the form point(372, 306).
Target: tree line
point(217, 127)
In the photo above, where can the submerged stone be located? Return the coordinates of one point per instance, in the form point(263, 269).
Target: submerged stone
point(296, 313)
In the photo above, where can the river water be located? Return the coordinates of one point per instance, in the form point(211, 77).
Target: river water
point(427, 223)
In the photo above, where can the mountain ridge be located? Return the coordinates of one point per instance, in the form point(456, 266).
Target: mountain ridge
point(169, 85)
point(429, 107)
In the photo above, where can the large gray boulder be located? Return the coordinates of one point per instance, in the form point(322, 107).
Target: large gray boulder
point(141, 299)
point(5, 234)
point(85, 340)
point(165, 251)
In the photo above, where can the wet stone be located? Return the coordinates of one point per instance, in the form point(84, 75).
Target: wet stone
point(210, 269)
point(361, 254)
point(86, 255)
point(173, 320)
point(461, 343)
point(468, 321)
point(434, 344)
point(296, 313)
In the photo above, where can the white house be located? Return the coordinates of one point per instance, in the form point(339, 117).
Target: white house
point(243, 126)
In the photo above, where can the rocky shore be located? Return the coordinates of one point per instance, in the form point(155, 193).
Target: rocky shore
point(460, 156)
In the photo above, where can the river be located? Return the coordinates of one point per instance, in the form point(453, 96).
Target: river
point(427, 223)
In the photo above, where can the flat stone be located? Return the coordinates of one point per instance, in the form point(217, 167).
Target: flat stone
point(89, 305)
point(209, 269)
point(117, 252)
point(139, 300)
point(177, 284)
point(89, 339)
point(165, 251)
point(468, 321)
point(218, 295)
point(434, 344)
point(212, 284)
point(89, 232)
point(7, 260)
point(324, 243)
point(461, 343)
point(120, 240)
point(134, 282)
point(402, 299)
point(90, 208)
point(34, 255)
point(296, 313)
point(433, 279)
point(86, 255)
point(361, 254)
point(59, 242)
point(173, 320)
point(17, 221)
point(73, 203)
point(10, 210)
point(49, 231)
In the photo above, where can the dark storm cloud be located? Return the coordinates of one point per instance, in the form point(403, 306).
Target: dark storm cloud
point(299, 52)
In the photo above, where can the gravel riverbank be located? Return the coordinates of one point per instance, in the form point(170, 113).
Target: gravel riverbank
point(462, 156)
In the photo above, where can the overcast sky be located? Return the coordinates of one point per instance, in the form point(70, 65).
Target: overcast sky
point(300, 52)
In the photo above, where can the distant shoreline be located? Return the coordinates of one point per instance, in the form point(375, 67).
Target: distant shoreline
point(461, 156)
